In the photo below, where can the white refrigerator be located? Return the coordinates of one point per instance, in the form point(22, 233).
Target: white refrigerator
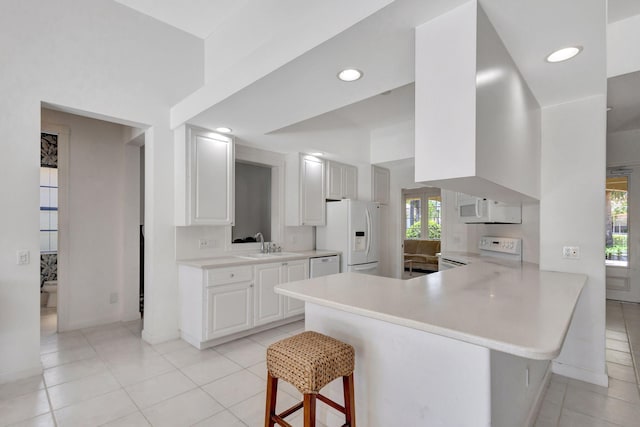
point(353, 229)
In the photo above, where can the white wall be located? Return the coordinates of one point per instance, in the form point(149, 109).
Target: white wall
point(623, 148)
point(477, 122)
point(395, 142)
point(507, 118)
point(101, 58)
point(622, 54)
point(103, 215)
point(572, 214)
point(402, 176)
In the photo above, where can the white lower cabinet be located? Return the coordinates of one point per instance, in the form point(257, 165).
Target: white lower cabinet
point(294, 270)
point(229, 309)
point(268, 304)
point(219, 302)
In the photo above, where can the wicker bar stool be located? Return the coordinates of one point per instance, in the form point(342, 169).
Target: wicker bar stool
point(309, 361)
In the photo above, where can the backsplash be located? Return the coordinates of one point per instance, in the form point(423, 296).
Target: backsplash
point(187, 238)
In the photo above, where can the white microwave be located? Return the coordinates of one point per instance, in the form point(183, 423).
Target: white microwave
point(476, 210)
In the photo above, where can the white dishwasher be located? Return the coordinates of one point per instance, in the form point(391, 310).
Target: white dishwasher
point(324, 265)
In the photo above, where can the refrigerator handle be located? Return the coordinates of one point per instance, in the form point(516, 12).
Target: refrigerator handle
point(368, 231)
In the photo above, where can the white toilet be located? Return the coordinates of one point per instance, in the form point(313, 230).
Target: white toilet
point(51, 287)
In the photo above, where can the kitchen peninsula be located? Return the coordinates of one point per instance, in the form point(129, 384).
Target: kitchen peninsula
point(464, 347)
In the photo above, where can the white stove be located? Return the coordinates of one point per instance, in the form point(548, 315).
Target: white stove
point(507, 248)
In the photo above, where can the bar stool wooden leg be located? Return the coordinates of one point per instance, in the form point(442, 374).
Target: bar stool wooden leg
point(309, 410)
point(349, 401)
point(272, 391)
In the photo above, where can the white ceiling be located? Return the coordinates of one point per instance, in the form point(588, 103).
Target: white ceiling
point(198, 17)
point(621, 9)
point(285, 109)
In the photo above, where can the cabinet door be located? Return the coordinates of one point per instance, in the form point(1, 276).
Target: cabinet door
point(381, 184)
point(350, 183)
point(211, 178)
point(335, 174)
point(312, 191)
point(229, 309)
point(268, 304)
point(292, 271)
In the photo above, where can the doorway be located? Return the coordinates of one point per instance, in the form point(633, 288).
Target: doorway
point(98, 229)
point(421, 231)
point(621, 255)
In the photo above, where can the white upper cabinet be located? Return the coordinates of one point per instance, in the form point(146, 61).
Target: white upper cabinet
point(305, 190)
point(342, 181)
point(204, 177)
point(381, 183)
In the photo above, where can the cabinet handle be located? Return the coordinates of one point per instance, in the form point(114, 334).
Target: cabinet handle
point(251, 285)
point(232, 275)
point(285, 263)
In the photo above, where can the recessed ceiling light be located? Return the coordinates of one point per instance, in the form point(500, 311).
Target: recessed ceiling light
point(317, 153)
point(223, 130)
point(564, 54)
point(349, 75)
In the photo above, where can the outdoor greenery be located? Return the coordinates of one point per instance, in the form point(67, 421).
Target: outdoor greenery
point(413, 232)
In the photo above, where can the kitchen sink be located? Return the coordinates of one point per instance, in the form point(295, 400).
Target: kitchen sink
point(269, 255)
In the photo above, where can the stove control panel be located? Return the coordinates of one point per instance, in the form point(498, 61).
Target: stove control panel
point(507, 245)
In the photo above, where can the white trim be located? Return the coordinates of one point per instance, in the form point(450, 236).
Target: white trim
point(158, 339)
point(7, 377)
point(537, 403)
point(64, 135)
point(577, 373)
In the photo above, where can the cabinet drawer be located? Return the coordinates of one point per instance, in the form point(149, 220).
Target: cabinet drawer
point(223, 276)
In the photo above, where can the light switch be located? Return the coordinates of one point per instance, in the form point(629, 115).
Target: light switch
point(22, 257)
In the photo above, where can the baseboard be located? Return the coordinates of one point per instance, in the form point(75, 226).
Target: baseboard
point(535, 408)
point(7, 377)
point(159, 339)
point(72, 326)
point(576, 373)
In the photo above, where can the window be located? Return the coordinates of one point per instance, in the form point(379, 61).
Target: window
point(415, 202)
point(48, 210)
point(617, 231)
point(253, 202)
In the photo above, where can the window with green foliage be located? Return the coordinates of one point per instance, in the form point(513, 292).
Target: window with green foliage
point(617, 230)
point(419, 203)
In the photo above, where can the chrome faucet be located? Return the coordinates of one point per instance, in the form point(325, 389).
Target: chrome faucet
point(258, 234)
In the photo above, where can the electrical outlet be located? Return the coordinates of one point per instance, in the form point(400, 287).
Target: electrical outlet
point(571, 252)
point(22, 257)
point(113, 298)
point(203, 243)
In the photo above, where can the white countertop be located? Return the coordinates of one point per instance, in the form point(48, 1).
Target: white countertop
point(239, 259)
point(510, 307)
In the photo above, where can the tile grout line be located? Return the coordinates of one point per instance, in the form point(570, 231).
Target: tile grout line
point(633, 359)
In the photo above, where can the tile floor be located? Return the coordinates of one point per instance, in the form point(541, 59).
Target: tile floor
point(107, 376)
point(572, 403)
